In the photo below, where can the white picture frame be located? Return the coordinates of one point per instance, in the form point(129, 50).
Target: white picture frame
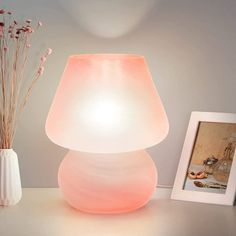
point(178, 192)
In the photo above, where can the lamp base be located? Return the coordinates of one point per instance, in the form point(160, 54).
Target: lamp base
point(107, 183)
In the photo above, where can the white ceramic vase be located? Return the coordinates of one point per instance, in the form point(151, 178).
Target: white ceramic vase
point(10, 183)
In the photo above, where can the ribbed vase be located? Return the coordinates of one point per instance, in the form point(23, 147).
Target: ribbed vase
point(10, 183)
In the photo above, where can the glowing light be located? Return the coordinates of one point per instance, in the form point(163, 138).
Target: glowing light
point(107, 110)
point(106, 103)
point(103, 114)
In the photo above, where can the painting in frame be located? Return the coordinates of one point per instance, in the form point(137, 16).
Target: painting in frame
point(207, 167)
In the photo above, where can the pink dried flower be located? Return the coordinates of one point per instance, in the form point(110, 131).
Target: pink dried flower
point(1, 31)
point(49, 51)
point(15, 39)
point(40, 70)
point(43, 59)
point(28, 29)
point(24, 29)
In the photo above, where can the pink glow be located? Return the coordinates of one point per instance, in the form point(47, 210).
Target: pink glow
point(106, 103)
point(107, 107)
point(107, 183)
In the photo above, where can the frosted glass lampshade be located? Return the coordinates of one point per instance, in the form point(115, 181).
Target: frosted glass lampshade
point(106, 103)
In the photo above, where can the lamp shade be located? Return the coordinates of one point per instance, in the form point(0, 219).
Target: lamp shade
point(106, 103)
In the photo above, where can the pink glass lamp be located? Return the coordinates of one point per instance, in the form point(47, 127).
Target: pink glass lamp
point(107, 111)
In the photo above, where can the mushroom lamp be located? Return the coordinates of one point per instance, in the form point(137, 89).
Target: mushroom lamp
point(107, 111)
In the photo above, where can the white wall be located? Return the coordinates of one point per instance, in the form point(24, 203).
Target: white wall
point(190, 46)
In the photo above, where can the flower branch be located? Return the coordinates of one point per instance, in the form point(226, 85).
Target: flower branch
point(15, 89)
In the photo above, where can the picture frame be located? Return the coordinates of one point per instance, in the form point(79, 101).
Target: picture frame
point(202, 175)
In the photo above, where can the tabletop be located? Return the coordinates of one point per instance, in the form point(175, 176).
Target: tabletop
point(43, 212)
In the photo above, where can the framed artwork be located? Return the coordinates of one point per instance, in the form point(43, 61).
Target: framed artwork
point(207, 167)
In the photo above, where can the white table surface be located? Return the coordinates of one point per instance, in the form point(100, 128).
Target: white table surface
point(43, 212)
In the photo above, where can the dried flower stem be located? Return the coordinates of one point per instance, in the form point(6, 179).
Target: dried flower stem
point(14, 54)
